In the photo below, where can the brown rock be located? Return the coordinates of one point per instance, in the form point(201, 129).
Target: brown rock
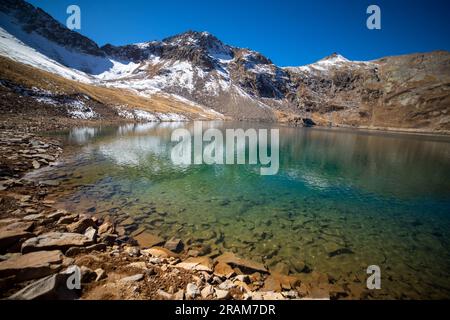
point(108, 239)
point(7, 222)
point(87, 275)
point(74, 251)
point(32, 265)
point(222, 294)
point(256, 276)
point(197, 263)
point(148, 240)
point(175, 245)
point(272, 284)
point(179, 295)
point(159, 252)
point(207, 291)
point(9, 238)
point(36, 165)
point(134, 278)
point(243, 264)
point(137, 265)
point(138, 231)
point(18, 226)
point(91, 234)
point(222, 269)
point(281, 268)
point(55, 241)
point(106, 227)
point(319, 293)
point(81, 225)
point(164, 295)
point(57, 215)
point(53, 287)
point(68, 219)
point(127, 222)
point(32, 217)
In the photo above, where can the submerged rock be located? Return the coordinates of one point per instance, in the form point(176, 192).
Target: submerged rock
point(281, 268)
point(106, 227)
point(148, 240)
point(340, 252)
point(175, 245)
point(243, 264)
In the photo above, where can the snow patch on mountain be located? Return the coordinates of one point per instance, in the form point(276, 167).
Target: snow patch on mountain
point(16, 50)
point(79, 110)
point(50, 50)
point(146, 116)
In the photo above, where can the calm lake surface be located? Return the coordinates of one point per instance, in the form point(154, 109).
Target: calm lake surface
point(341, 201)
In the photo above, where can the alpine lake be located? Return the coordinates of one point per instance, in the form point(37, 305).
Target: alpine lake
point(341, 201)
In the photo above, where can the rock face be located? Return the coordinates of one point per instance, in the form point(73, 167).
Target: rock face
point(55, 241)
point(410, 91)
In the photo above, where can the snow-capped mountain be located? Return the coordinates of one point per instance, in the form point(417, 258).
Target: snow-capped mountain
point(196, 68)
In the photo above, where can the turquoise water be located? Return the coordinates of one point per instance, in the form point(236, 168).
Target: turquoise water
point(341, 201)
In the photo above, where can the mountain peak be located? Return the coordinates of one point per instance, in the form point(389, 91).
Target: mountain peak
point(334, 57)
point(191, 37)
point(202, 41)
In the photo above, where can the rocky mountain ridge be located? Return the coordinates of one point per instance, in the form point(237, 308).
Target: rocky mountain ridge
point(409, 92)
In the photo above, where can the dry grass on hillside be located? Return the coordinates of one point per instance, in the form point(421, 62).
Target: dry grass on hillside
point(28, 76)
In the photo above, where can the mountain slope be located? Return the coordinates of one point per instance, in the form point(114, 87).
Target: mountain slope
point(196, 68)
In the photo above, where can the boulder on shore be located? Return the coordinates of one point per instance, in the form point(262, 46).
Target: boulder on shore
point(53, 287)
point(55, 241)
point(9, 238)
point(31, 265)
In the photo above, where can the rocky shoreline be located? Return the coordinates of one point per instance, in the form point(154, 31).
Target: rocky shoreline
point(42, 246)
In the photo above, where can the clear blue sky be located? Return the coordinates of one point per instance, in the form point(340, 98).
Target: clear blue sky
point(289, 32)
